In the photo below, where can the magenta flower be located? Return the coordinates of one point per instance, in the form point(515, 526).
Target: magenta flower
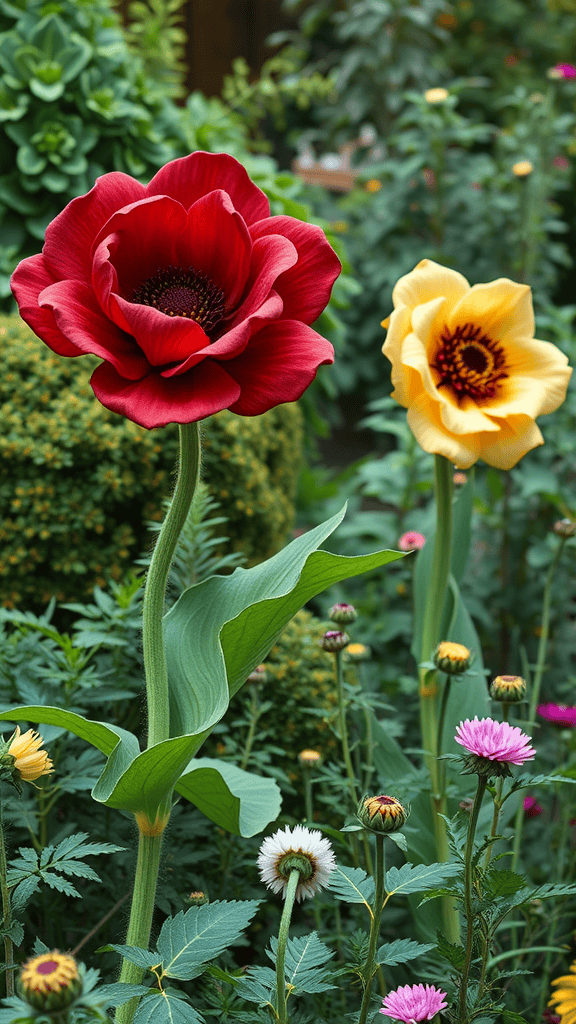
point(411, 541)
point(532, 808)
point(493, 746)
point(558, 714)
point(413, 1003)
point(566, 70)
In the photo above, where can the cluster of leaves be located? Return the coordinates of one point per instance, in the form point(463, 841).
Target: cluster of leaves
point(155, 34)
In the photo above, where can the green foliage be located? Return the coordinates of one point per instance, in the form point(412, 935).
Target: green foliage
point(401, 951)
point(75, 102)
point(304, 964)
point(412, 878)
point(155, 35)
point(30, 869)
point(78, 483)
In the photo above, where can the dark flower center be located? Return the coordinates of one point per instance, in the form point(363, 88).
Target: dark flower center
point(470, 363)
point(47, 967)
point(177, 291)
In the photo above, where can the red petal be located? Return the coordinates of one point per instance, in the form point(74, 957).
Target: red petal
point(155, 402)
point(233, 342)
point(306, 287)
point(271, 256)
point(163, 339)
point(70, 237)
point(142, 238)
point(191, 177)
point(29, 279)
point(218, 244)
point(80, 319)
point(277, 366)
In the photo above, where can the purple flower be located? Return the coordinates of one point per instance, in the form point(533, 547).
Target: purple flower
point(558, 714)
point(413, 1003)
point(493, 746)
point(532, 808)
point(566, 70)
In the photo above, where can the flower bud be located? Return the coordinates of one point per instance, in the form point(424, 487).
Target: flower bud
point(381, 813)
point(508, 689)
point(454, 659)
point(258, 675)
point(459, 479)
point(358, 652)
point(309, 758)
point(565, 528)
point(466, 804)
point(50, 981)
point(411, 541)
point(343, 613)
point(532, 809)
point(334, 640)
point(197, 898)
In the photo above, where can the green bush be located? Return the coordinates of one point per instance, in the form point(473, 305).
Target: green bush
point(78, 484)
point(75, 102)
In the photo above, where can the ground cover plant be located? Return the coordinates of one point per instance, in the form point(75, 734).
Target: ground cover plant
point(310, 775)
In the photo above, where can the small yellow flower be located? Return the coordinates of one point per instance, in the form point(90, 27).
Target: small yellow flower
point(437, 95)
point(29, 760)
point(50, 981)
point(452, 658)
point(522, 169)
point(564, 997)
point(309, 758)
point(357, 652)
point(373, 185)
point(382, 813)
point(467, 367)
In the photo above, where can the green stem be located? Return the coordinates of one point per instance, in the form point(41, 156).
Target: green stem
point(6, 912)
point(153, 611)
point(369, 969)
point(138, 934)
point(289, 896)
point(468, 878)
point(343, 728)
point(536, 683)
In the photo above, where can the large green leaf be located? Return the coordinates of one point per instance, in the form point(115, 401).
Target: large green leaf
point(220, 629)
point(147, 781)
point(102, 735)
point(417, 877)
point(236, 800)
point(189, 940)
point(166, 1007)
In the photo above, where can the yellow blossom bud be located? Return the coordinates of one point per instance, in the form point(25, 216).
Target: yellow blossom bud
point(451, 658)
point(29, 761)
point(382, 813)
point(522, 169)
point(437, 95)
point(508, 689)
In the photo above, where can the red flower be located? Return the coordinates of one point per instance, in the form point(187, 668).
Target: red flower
point(193, 295)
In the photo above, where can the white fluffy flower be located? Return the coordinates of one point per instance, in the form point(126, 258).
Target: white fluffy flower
point(298, 842)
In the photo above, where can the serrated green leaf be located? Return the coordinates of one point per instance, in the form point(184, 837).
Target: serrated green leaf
point(417, 877)
point(401, 950)
point(119, 993)
point(304, 955)
point(189, 940)
point(503, 883)
point(136, 955)
point(352, 885)
point(455, 955)
point(168, 1007)
point(239, 801)
point(258, 985)
point(60, 884)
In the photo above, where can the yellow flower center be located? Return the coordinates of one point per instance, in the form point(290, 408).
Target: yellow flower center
point(456, 652)
point(470, 363)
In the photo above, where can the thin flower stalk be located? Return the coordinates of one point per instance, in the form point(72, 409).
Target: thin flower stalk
point(343, 728)
point(6, 912)
point(289, 896)
point(536, 684)
point(468, 879)
point(378, 907)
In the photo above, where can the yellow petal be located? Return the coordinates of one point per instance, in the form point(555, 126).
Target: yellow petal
point(544, 372)
point(427, 281)
point(428, 321)
point(517, 435)
point(500, 308)
point(426, 425)
point(466, 418)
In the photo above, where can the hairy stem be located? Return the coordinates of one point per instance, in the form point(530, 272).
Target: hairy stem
point(369, 969)
point(289, 896)
point(468, 881)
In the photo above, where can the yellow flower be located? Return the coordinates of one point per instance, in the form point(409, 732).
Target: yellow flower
point(522, 169)
point(50, 981)
point(467, 367)
point(373, 185)
point(564, 997)
point(29, 760)
point(436, 95)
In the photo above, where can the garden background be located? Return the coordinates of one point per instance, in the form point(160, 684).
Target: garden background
point(406, 130)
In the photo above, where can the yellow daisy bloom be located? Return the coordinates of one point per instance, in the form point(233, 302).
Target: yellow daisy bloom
point(50, 981)
point(29, 760)
point(467, 367)
point(564, 998)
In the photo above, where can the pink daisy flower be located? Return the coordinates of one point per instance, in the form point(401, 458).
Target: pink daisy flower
point(413, 1003)
point(566, 70)
point(493, 746)
point(411, 541)
point(558, 714)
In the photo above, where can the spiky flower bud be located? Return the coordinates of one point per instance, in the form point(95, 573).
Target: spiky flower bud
point(334, 640)
point(309, 758)
point(343, 613)
point(565, 528)
point(381, 813)
point(50, 981)
point(508, 689)
point(197, 898)
point(454, 659)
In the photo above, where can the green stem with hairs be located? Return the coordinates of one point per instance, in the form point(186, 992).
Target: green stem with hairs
point(289, 896)
point(146, 878)
point(6, 911)
point(468, 880)
point(156, 580)
point(369, 968)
